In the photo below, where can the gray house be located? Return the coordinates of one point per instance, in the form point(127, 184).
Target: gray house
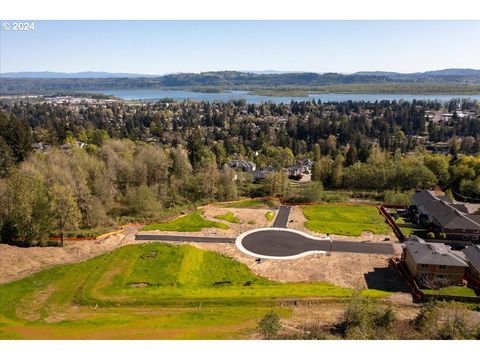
point(458, 220)
point(259, 175)
point(296, 170)
point(243, 165)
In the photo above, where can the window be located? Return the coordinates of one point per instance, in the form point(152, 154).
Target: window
point(424, 266)
point(442, 267)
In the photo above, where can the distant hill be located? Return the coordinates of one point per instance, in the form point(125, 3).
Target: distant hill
point(28, 82)
point(453, 72)
point(63, 75)
point(445, 72)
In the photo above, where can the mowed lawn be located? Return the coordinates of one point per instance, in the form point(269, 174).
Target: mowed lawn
point(188, 223)
point(344, 219)
point(153, 290)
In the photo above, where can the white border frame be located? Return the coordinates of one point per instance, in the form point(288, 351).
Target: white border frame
point(241, 10)
point(238, 243)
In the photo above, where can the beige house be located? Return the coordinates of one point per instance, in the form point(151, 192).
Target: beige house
point(433, 264)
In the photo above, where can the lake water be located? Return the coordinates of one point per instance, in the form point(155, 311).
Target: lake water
point(179, 95)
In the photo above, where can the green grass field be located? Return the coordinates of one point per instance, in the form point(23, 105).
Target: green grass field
point(344, 220)
point(188, 223)
point(229, 216)
point(148, 291)
point(452, 290)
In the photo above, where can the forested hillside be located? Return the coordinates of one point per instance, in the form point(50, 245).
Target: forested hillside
point(435, 82)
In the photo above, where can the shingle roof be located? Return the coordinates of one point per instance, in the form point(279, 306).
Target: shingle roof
point(433, 254)
point(472, 253)
point(448, 214)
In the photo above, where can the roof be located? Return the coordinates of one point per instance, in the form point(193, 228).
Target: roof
point(241, 163)
point(472, 253)
point(449, 214)
point(433, 254)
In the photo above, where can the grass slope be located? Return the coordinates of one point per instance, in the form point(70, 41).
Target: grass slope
point(229, 216)
point(185, 293)
point(188, 223)
point(344, 220)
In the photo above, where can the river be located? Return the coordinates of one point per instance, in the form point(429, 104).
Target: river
point(179, 95)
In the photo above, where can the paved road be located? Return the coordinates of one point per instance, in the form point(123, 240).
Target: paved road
point(285, 243)
point(282, 217)
point(182, 238)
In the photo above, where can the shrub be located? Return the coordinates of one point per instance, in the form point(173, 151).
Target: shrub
point(430, 235)
point(444, 321)
point(365, 319)
point(442, 235)
point(392, 197)
point(269, 215)
point(269, 325)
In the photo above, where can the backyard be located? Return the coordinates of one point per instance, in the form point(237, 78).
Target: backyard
point(452, 290)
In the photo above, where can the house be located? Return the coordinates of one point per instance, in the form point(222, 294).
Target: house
point(458, 220)
point(294, 171)
point(243, 165)
point(259, 175)
point(40, 146)
point(433, 264)
point(307, 165)
point(472, 255)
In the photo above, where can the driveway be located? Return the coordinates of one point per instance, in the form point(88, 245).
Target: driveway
point(282, 217)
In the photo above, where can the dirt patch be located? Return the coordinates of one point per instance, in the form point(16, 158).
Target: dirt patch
point(16, 262)
point(249, 219)
point(139, 285)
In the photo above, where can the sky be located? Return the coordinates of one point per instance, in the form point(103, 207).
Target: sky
point(161, 47)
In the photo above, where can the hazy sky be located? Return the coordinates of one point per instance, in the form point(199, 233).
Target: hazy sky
point(159, 47)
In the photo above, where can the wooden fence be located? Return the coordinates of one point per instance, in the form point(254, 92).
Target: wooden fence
point(392, 223)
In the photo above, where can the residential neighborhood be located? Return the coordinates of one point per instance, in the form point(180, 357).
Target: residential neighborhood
point(456, 220)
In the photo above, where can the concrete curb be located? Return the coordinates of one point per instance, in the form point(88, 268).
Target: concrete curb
point(238, 243)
